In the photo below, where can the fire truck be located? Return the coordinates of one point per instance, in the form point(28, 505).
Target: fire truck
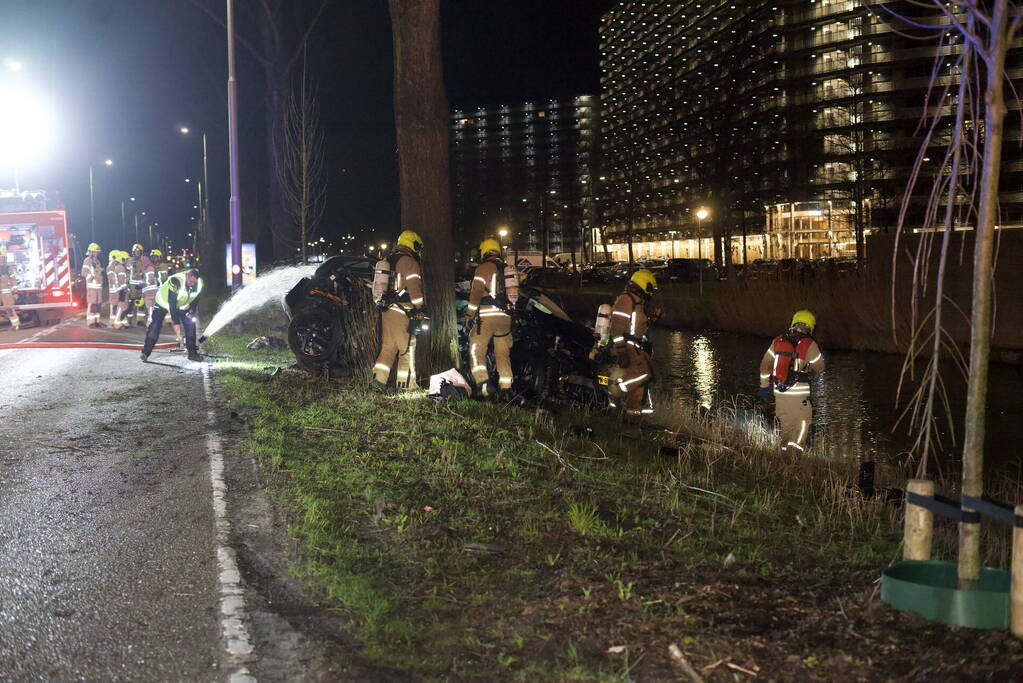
point(34, 241)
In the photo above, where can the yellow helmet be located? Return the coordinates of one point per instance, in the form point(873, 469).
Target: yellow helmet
point(136, 247)
point(113, 256)
point(156, 253)
point(488, 245)
point(123, 256)
point(645, 280)
point(93, 247)
point(410, 239)
point(805, 317)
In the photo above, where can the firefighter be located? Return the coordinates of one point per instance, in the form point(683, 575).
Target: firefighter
point(495, 290)
point(92, 272)
point(150, 285)
point(162, 269)
point(785, 371)
point(398, 292)
point(117, 286)
point(630, 317)
point(179, 296)
point(8, 288)
point(137, 264)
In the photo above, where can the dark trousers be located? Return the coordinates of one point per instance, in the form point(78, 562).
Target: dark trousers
point(153, 333)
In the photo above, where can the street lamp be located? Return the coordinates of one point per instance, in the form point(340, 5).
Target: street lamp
point(503, 232)
point(204, 191)
point(92, 199)
point(701, 213)
point(383, 246)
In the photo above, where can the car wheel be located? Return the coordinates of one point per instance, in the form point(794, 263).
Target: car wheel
point(314, 336)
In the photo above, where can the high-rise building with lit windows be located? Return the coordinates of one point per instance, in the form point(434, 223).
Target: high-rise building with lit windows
point(793, 123)
point(525, 168)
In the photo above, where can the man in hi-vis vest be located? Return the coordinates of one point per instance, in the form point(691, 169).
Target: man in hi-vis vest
point(179, 296)
point(785, 371)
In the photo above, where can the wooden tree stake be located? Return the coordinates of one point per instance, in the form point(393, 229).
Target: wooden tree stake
point(919, 533)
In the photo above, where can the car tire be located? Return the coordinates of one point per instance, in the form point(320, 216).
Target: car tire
point(314, 336)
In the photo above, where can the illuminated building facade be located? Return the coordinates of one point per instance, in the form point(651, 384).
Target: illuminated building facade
point(526, 169)
point(793, 122)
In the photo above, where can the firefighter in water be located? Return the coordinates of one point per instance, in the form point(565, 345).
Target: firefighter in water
point(92, 272)
point(630, 317)
point(8, 288)
point(137, 265)
point(494, 293)
point(117, 285)
point(398, 291)
point(179, 296)
point(785, 371)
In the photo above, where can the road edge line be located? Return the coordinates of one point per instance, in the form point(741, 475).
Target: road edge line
point(234, 620)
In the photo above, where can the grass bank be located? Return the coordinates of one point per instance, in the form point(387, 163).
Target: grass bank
point(467, 542)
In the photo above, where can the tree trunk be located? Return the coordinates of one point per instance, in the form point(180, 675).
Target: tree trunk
point(981, 316)
point(421, 117)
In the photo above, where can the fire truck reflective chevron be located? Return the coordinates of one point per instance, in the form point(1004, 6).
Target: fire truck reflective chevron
point(35, 243)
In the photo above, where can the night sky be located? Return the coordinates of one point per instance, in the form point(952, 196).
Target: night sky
point(126, 74)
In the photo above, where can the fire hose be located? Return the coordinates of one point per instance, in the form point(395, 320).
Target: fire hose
point(84, 345)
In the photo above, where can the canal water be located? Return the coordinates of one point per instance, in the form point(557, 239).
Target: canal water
point(855, 407)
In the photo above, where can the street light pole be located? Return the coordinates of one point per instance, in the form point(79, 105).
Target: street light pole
point(232, 126)
point(92, 208)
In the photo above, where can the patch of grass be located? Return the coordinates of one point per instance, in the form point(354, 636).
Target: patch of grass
point(472, 541)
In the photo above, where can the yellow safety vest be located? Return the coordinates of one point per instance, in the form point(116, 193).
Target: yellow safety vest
point(176, 283)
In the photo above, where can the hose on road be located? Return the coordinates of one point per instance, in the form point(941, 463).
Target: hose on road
point(84, 345)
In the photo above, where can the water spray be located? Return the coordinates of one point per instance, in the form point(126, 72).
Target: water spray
point(269, 286)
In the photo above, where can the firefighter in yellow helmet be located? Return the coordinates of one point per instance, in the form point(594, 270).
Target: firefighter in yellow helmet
point(136, 265)
point(8, 288)
point(494, 293)
point(785, 371)
point(398, 293)
point(630, 317)
point(92, 273)
point(117, 286)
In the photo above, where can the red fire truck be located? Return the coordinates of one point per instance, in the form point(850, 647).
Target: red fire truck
point(36, 244)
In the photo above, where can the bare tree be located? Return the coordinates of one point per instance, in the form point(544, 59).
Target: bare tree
point(421, 117)
point(299, 165)
point(964, 189)
point(284, 30)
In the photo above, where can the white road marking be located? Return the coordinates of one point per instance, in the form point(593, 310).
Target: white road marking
point(34, 337)
point(234, 622)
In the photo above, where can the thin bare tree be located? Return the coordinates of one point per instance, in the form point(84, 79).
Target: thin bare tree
point(965, 189)
point(299, 162)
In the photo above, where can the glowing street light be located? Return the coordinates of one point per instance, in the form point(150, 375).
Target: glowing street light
point(92, 199)
point(183, 130)
point(503, 232)
point(383, 246)
point(701, 214)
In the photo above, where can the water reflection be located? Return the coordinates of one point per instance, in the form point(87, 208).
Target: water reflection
point(854, 399)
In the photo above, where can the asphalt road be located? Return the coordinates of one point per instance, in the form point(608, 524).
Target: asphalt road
point(108, 556)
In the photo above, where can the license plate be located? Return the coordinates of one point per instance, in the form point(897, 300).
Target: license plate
point(603, 380)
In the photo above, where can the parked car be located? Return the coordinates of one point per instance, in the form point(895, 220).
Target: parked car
point(688, 270)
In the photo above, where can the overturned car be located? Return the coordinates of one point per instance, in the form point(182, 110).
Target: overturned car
point(333, 333)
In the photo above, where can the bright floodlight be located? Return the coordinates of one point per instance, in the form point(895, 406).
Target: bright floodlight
point(13, 64)
point(27, 127)
point(108, 162)
point(702, 213)
point(184, 130)
point(188, 180)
